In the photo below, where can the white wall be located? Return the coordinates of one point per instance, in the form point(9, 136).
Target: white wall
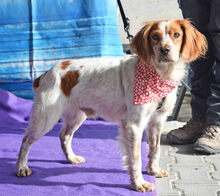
point(141, 11)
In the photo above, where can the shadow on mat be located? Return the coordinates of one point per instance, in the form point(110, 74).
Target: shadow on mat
point(40, 175)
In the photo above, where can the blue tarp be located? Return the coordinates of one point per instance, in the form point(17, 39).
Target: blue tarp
point(36, 34)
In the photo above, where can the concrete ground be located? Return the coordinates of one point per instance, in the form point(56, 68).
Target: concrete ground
point(191, 174)
point(141, 11)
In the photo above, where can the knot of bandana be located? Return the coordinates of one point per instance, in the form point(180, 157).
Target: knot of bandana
point(149, 86)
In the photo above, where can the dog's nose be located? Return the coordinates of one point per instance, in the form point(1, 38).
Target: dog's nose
point(164, 50)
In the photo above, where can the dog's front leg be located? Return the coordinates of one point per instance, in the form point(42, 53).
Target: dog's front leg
point(154, 132)
point(131, 136)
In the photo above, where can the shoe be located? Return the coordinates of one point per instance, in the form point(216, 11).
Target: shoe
point(209, 142)
point(187, 134)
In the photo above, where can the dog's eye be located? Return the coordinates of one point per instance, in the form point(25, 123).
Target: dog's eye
point(155, 37)
point(176, 35)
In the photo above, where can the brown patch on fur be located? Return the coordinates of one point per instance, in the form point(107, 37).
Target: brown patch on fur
point(88, 111)
point(26, 139)
point(69, 81)
point(133, 176)
point(153, 170)
point(141, 42)
point(36, 83)
point(154, 140)
point(151, 148)
point(194, 43)
point(65, 64)
point(137, 151)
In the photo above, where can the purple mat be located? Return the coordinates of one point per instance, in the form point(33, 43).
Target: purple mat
point(101, 174)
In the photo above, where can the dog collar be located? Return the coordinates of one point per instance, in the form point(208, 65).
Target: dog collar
point(149, 86)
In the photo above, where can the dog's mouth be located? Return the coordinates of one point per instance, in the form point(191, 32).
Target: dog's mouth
point(165, 59)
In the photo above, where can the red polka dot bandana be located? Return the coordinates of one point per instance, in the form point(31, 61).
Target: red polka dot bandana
point(148, 85)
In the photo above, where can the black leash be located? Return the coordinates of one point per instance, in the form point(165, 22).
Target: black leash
point(125, 20)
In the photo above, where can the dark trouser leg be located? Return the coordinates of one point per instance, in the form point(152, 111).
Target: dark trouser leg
point(213, 113)
point(199, 12)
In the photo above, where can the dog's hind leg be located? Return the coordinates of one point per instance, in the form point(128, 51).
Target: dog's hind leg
point(72, 121)
point(43, 118)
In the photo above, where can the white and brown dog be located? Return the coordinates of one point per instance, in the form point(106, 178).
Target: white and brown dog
point(80, 88)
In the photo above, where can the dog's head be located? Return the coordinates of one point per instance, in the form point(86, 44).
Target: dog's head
point(169, 41)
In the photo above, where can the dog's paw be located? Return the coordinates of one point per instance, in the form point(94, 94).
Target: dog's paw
point(158, 173)
point(77, 160)
point(143, 187)
point(25, 171)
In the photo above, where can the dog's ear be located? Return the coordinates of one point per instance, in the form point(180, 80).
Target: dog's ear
point(140, 44)
point(194, 43)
